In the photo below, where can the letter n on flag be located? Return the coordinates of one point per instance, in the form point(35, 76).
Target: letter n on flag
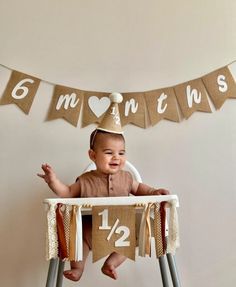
point(66, 103)
point(132, 109)
point(113, 231)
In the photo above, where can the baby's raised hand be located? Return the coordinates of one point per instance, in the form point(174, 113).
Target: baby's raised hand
point(49, 174)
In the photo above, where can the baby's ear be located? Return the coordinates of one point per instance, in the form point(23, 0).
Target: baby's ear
point(91, 154)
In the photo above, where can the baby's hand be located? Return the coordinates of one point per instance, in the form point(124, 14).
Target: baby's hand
point(161, 191)
point(49, 174)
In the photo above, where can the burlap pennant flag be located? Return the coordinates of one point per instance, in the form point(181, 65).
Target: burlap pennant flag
point(132, 109)
point(113, 231)
point(162, 104)
point(220, 85)
point(66, 103)
point(192, 96)
point(95, 105)
point(20, 90)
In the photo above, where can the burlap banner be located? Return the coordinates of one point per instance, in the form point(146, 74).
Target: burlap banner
point(20, 90)
point(113, 231)
point(162, 104)
point(95, 105)
point(159, 104)
point(220, 85)
point(66, 103)
point(192, 96)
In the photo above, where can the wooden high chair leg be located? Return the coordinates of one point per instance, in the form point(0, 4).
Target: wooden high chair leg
point(173, 270)
point(52, 272)
point(163, 270)
point(61, 266)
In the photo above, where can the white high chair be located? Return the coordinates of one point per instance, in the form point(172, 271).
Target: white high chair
point(56, 266)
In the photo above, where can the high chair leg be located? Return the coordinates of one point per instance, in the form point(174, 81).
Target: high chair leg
point(163, 270)
point(173, 270)
point(61, 266)
point(52, 272)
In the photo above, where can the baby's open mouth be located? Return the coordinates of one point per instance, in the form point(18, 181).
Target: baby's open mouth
point(113, 164)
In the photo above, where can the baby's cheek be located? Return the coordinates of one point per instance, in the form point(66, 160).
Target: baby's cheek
point(122, 164)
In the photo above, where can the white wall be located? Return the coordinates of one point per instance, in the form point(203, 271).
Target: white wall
point(119, 46)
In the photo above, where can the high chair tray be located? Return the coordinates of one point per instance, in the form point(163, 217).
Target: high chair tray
point(88, 202)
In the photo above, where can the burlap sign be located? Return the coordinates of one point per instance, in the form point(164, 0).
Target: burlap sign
point(95, 105)
point(220, 85)
point(162, 104)
point(66, 103)
point(20, 90)
point(113, 231)
point(192, 96)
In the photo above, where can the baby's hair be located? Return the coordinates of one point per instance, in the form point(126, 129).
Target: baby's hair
point(96, 132)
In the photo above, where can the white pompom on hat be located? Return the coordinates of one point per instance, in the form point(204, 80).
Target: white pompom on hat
point(116, 98)
point(111, 120)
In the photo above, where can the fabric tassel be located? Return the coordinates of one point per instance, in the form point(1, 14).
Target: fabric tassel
point(173, 236)
point(148, 231)
point(62, 250)
point(66, 217)
point(79, 236)
point(163, 225)
point(145, 232)
point(158, 230)
point(142, 232)
point(51, 234)
point(72, 233)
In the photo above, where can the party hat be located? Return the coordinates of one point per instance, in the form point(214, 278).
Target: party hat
point(111, 120)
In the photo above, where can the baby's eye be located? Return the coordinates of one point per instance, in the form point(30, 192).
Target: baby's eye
point(108, 152)
point(122, 153)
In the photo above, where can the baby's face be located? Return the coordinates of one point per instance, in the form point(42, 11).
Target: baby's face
point(109, 154)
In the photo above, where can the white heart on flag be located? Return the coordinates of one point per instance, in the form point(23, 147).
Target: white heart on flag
point(98, 106)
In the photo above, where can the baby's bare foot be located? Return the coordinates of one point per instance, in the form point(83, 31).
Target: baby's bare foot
point(73, 274)
point(110, 271)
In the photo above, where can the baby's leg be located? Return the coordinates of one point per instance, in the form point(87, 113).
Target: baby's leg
point(111, 263)
point(77, 267)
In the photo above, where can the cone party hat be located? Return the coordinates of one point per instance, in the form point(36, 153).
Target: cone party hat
point(111, 121)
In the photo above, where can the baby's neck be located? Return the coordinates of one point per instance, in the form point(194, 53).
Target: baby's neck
point(99, 172)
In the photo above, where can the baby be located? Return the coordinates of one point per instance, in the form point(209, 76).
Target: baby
point(107, 151)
